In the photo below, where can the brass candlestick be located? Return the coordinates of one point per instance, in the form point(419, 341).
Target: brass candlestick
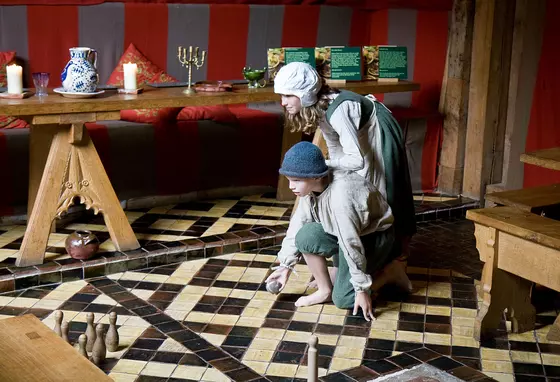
point(197, 61)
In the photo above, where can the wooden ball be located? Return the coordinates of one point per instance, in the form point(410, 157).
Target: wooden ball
point(273, 287)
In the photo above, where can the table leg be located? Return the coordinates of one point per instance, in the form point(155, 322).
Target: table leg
point(501, 290)
point(40, 138)
point(73, 170)
point(554, 332)
point(288, 140)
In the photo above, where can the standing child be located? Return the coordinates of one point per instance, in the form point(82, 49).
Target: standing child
point(340, 215)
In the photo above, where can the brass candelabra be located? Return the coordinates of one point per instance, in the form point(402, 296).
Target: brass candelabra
point(189, 61)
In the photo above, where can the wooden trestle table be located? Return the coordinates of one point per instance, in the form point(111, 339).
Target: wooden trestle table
point(64, 163)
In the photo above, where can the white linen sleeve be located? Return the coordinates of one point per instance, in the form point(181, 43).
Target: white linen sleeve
point(348, 234)
point(288, 254)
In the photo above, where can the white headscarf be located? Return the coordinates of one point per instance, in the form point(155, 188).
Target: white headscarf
point(299, 79)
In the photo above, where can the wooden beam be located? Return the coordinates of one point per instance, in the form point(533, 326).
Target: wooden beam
point(500, 73)
point(526, 51)
point(488, 91)
point(455, 96)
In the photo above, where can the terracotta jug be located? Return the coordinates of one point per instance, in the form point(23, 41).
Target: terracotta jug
point(82, 244)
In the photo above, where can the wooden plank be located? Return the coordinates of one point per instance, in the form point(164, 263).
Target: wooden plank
point(39, 145)
point(526, 51)
point(487, 94)
point(455, 96)
point(32, 352)
point(500, 74)
point(554, 332)
point(171, 97)
point(526, 225)
point(532, 261)
point(532, 199)
point(478, 100)
point(32, 250)
point(547, 158)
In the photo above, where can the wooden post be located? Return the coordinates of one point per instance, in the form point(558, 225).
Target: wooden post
point(40, 139)
point(288, 140)
point(489, 82)
point(312, 367)
point(455, 97)
point(526, 49)
point(554, 332)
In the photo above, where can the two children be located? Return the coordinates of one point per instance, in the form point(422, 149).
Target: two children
point(340, 215)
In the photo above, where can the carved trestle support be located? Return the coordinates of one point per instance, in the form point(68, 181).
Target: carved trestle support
point(501, 291)
point(77, 183)
point(72, 170)
point(486, 244)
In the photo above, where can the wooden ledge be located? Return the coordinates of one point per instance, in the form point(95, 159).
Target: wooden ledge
point(531, 227)
point(532, 199)
point(547, 158)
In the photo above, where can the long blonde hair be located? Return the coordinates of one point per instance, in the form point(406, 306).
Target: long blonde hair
point(308, 118)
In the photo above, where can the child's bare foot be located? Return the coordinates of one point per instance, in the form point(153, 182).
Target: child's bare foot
point(393, 273)
point(332, 275)
point(396, 274)
point(318, 297)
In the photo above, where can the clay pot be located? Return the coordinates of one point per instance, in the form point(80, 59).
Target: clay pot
point(82, 244)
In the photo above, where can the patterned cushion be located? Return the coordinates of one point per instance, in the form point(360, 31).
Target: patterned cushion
point(8, 122)
point(147, 72)
point(5, 59)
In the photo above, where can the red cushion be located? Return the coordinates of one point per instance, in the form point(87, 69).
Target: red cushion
point(8, 122)
point(5, 59)
point(153, 116)
point(147, 72)
point(217, 113)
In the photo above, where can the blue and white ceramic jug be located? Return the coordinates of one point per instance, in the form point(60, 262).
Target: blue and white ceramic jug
point(80, 73)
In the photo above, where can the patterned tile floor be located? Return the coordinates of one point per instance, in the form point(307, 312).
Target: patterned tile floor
point(194, 220)
point(212, 320)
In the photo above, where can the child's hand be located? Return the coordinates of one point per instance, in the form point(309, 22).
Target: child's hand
point(363, 300)
point(280, 275)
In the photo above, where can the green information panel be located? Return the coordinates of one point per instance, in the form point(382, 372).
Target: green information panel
point(393, 62)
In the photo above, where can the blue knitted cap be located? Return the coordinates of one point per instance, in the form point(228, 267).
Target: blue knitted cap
point(304, 160)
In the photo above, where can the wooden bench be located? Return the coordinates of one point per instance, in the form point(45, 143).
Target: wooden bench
point(537, 200)
point(32, 352)
point(547, 158)
point(517, 248)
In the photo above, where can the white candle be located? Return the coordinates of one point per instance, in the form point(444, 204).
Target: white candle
point(130, 71)
point(15, 85)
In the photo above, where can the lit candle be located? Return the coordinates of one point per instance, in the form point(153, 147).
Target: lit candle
point(15, 85)
point(130, 71)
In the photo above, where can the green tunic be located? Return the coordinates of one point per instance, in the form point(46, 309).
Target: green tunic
point(375, 149)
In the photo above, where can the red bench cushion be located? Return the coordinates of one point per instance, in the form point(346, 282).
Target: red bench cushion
point(8, 122)
point(217, 113)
